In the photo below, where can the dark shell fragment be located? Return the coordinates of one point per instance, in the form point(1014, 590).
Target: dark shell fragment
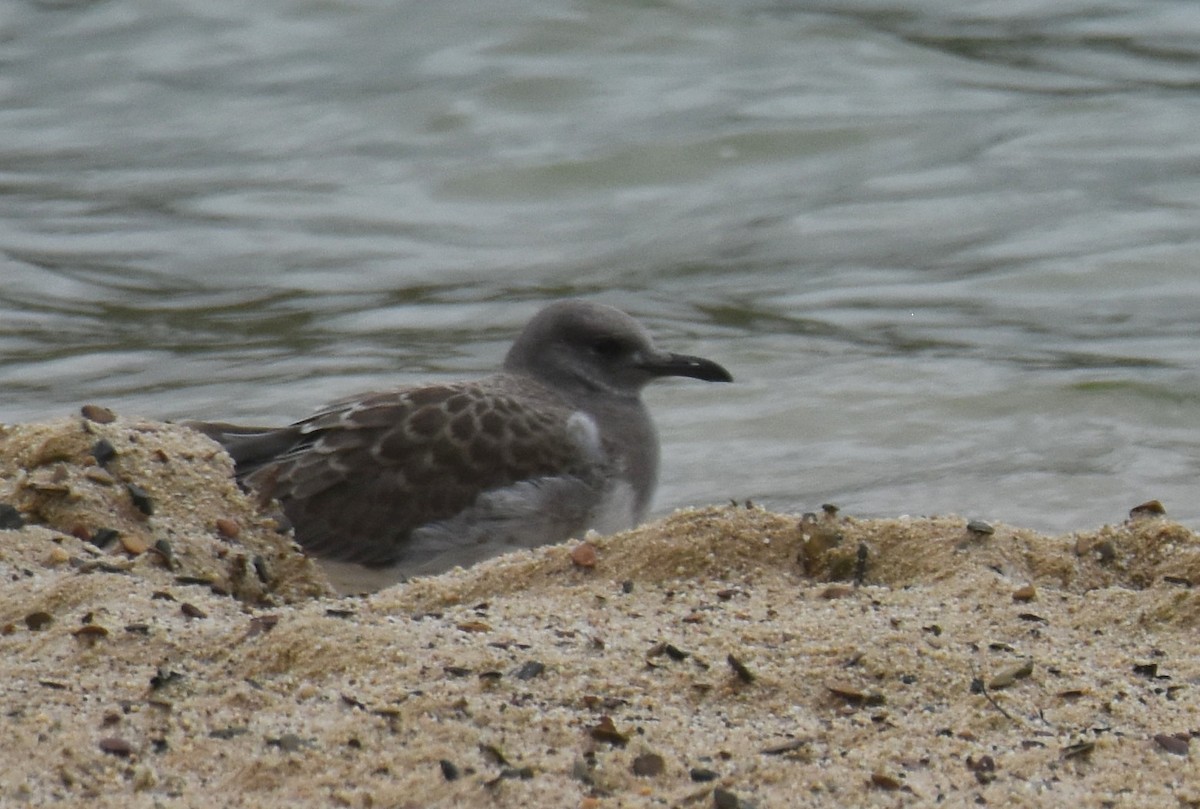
point(141, 500)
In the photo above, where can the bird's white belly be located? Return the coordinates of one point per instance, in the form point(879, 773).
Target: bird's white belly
point(616, 510)
point(525, 515)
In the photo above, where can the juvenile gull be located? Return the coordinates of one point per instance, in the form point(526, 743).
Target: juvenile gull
point(416, 480)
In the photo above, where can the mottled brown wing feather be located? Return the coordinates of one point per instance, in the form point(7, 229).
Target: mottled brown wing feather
point(362, 475)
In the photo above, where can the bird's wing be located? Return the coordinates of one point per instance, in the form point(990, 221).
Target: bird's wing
point(359, 476)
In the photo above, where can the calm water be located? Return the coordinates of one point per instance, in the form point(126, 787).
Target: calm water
point(950, 249)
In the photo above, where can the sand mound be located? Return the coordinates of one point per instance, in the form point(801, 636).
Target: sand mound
point(720, 657)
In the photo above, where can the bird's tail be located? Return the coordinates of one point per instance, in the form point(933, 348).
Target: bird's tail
point(250, 447)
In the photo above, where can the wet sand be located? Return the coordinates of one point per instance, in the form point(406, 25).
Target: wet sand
point(724, 656)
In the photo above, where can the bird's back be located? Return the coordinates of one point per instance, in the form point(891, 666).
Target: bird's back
point(395, 477)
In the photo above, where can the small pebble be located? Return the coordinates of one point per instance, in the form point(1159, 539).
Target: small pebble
point(192, 611)
point(37, 621)
point(886, 782)
point(228, 528)
point(261, 570)
point(1172, 744)
point(103, 451)
point(790, 746)
point(134, 546)
point(1026, 593)
point(980, 527)
point(449, 770)
point(530, 670)
point(724, 799)
point(10, 518)
point(584, 555)
point(116, 746)
point(58, 556)
point(702, 775)
point(90, 632)
point(141, 500)
point(648, 765)
point(163, 548)
point(103, 537)
point(98, 414)
point(289, 742)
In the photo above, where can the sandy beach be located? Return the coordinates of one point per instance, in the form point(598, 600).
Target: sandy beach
point(165, 644)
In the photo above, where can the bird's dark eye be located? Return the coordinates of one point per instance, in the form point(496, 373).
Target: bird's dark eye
point(607, 348)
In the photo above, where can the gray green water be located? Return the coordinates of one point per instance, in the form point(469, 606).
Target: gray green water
point(949, 249)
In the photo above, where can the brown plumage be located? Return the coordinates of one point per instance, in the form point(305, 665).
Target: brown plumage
point(419, 479)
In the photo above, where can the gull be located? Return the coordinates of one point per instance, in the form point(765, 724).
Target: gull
point(383, 486)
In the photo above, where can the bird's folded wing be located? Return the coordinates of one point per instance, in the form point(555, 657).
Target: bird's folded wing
point(360, 476)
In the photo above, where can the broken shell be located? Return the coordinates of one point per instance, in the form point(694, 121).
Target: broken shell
point(854, 695)
point(1147, 510)
point(97, 475)
point(606, 731)
point(1010, 675)
point(739, 668)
